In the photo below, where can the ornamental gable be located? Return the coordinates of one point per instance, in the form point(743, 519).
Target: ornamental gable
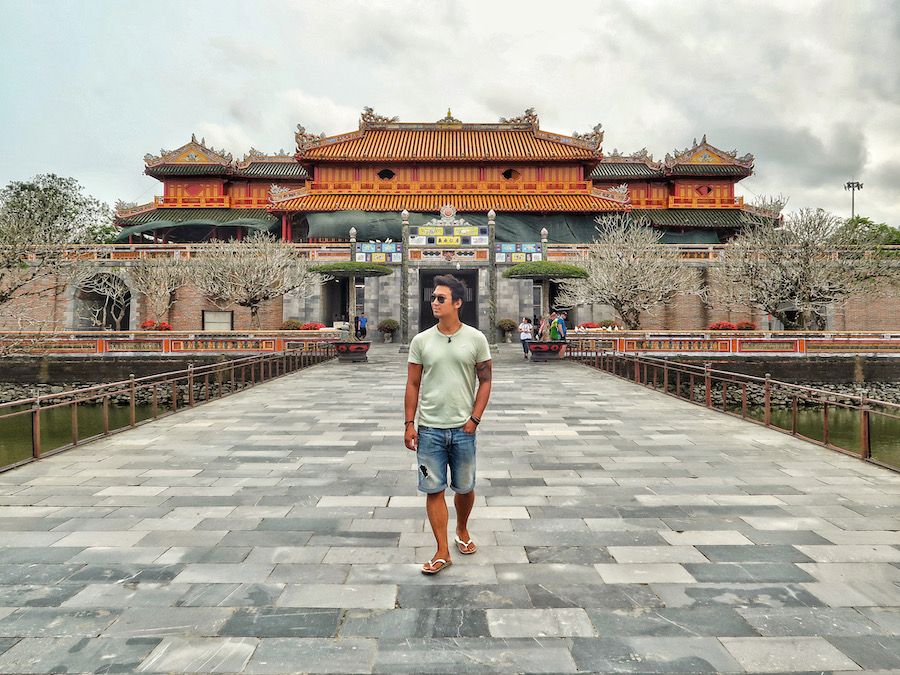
point(703, 153)
point(194, 152)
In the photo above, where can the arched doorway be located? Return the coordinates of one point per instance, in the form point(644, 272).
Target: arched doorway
point(102, 302)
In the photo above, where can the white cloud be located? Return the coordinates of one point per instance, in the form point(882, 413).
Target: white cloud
point(811, 88)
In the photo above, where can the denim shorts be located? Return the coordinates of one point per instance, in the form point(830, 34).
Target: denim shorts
point(440, 448)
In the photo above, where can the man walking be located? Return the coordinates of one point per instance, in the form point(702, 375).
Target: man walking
point(363, 326)
point(444, 363)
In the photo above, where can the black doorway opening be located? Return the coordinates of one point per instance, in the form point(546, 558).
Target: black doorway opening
point(469, 311)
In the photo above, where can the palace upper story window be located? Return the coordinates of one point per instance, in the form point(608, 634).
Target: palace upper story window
point(386, 174)
point(511, 174)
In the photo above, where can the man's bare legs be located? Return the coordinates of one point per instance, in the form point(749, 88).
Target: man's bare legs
point(436, 508)
point(438, 517)
point(463, 504)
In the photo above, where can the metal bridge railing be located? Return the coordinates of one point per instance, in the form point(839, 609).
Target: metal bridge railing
point(853, 424)
point(44, 425)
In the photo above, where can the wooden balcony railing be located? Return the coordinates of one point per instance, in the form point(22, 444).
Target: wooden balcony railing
point(487, 187)
point(193, 202)
point(705, 203)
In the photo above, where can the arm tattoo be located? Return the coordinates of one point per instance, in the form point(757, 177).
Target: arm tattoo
point(483, 371)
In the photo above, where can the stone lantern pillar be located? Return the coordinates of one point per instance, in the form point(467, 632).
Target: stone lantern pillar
point(404, 281)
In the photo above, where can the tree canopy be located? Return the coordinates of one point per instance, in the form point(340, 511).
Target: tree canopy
point(53, 210)
point(796, 269)
point(251, 272)
point(629, 270)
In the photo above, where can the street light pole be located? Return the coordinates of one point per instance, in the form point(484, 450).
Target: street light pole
point(853, 186)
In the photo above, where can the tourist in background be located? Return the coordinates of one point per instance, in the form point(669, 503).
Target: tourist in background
point(525, 329)
point(363, 323)
point(562, 330)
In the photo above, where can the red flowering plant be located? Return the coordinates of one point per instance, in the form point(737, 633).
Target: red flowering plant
point(149, 324)
point(723, 325)
point(312, 326)
point(746, 325)
point(162, 325)
point(589, 324)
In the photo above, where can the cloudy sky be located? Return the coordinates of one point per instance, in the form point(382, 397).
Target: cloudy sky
point(811, 88)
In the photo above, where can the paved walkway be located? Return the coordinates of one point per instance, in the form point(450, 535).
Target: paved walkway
point(619, 530)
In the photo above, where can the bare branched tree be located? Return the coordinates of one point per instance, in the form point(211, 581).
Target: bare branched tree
point(795, 268)
point(158, 279)
point(251, 272)
point(629, 270)
point(106, 297)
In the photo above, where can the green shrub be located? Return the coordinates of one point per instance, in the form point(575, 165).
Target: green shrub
point(507, 325)
point(388, 326)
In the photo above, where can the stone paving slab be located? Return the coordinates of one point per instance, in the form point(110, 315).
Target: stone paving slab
point(619, 531)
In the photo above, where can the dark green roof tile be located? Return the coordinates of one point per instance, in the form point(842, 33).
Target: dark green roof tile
point(186, 170)
point(624, 171)
point(273, 170)
point(708, 170)
point(716, 218)
point(185, 215)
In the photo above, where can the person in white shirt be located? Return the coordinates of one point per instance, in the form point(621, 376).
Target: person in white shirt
point(525, 329)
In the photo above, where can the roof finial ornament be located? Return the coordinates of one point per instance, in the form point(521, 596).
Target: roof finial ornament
point(592, 139)
point(530, 117)
point(369, 116)
point(449, 119)
point(304, 139)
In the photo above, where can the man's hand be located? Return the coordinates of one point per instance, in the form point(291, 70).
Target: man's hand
point(411, 437)
point(469, 427)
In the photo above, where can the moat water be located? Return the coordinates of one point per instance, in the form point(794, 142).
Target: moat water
point(56, 429)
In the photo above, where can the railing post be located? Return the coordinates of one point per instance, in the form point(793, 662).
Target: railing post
point(106, 414)
point(767, 400)
point(865, 449)
point(74, 423)
point(825, 424)
point(232, 377)
point(794, 414)
point(666, 375)
point(191, 385)
point(131, 397)
point(36, 426)
point(707, 380)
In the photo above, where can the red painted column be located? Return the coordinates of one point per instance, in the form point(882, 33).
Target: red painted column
point(284, 227)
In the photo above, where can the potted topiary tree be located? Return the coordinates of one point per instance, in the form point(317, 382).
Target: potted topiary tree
point(352, 349)
point(388, 327)
point(506, 326)
point(545, 271)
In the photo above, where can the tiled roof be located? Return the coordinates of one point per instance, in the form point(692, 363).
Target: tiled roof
point(186, 169)
point(185, 215)
point(273, 170)
point(625, 170)
point(730, 218)
point(447, 145)
point(708, 170)
point(429, 203)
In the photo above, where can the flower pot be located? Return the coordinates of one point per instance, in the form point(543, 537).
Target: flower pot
point(506, 338)
point(545, 351)
point(388, 338)
point(352, 352)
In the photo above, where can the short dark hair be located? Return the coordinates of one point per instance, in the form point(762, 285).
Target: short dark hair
point(456, 286)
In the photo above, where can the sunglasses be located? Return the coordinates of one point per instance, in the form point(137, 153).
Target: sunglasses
point(440, 299)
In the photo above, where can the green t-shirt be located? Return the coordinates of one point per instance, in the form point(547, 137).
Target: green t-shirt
point(447, 392)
